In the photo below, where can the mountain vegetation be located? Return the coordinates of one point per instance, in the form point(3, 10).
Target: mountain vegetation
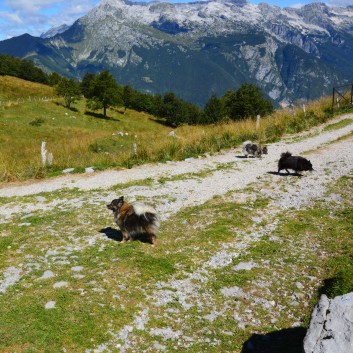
point(102, 91)
point(24, 69)
point(69, 89)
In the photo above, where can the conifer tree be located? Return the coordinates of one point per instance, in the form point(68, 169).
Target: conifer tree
point(214, 109)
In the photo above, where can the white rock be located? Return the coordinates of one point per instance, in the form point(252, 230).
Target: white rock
point(299, 285)
point(233, 292)
point(331, 326)
point(244, 266)
point(10, 277)
point(47, 274)
point(60, 284)
point(172, 134)
point(50, 305)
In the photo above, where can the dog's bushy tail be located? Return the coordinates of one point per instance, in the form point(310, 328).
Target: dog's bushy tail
point(147, 215)
point(285, 155)
point(152, 224)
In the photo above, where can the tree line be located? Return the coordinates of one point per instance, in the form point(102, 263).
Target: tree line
point(25, 70)
point(102, 91)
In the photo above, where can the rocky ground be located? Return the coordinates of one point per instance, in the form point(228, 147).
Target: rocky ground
point(171, 188)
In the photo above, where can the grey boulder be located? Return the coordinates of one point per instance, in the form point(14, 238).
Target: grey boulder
point(331, 326)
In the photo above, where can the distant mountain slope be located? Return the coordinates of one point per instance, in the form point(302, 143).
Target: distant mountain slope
point(196, 49)
point(54, 31)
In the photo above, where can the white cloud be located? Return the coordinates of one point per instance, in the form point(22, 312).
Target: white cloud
point(10, 17)
point(30, 6)
point(37, 16)
point(70, 11)
point(342, 3)
point(297, 5)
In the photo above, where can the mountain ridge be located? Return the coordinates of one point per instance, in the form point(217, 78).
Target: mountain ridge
point(203, 48)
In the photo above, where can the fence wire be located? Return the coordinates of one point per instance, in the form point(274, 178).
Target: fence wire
point(4, 102)
point(342, 97)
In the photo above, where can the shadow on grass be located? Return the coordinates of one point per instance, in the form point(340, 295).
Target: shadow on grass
point(112, 233)
point(283, 341)
point(116, 235)
point(162, 122)
point(341, 284)
point(73, 109)
point(285, 174)
point(246, 157)
point(100, 116)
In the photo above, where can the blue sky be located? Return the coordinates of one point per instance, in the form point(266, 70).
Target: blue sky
point(37, 16)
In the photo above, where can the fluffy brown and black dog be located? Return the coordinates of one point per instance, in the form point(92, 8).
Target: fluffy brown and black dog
point(135, 219)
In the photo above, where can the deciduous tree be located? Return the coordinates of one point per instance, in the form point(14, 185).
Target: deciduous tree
point(69, 89)
point(247, 102)
point(103, 92)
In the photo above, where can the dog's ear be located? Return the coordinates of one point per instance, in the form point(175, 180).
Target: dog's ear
point(118, 202)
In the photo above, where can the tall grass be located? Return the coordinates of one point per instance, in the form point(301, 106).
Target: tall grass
point(12, 89)
point(78, 140)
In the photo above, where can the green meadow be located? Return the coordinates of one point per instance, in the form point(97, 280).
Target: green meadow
point(79, 138)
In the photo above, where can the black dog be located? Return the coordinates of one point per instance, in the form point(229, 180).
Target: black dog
point(296, 163)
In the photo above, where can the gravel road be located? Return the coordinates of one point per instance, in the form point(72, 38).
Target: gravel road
point(227, 171)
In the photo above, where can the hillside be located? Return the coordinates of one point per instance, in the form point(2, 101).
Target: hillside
point(77, 138)
point(242, 253)
point(12, 88)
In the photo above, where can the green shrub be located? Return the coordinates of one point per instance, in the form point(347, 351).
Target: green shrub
point(37, 122)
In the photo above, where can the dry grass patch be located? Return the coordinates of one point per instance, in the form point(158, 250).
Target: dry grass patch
point(13, 88)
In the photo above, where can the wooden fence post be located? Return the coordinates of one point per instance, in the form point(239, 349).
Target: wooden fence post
point(258, 122)
point(43, 153)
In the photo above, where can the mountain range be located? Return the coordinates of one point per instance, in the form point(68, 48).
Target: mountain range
point(202, 48)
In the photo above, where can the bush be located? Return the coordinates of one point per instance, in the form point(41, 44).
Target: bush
point(37, 122)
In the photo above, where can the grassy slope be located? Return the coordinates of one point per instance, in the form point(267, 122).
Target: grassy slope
point(76, 139)
point(12, 88)
point(79, 139)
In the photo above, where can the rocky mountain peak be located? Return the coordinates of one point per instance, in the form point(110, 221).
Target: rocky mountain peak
point(199, 48)
point(54, 31)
